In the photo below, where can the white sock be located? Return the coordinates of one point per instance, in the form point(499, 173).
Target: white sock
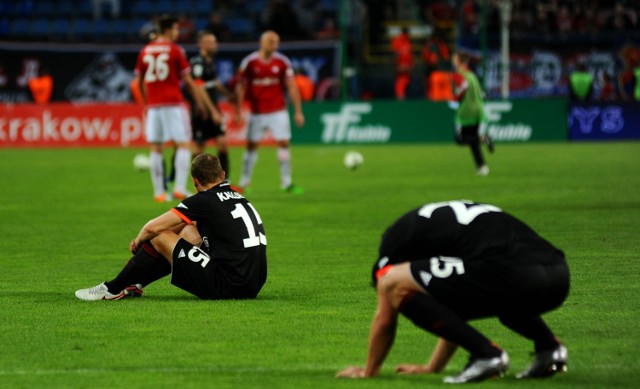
point(284, 159)
point(157, 172)
point(182, 163)
point(248, 163)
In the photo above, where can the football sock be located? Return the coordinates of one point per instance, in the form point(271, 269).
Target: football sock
point(143, 268)
point(477, 153)
point(223, 156)
point(248, 162)
point(284, 159)
point(182, 164)
point(533, 328)
point(429, 314)
point(157, 172)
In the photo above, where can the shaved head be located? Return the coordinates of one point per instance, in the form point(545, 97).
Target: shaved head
point(269, 41)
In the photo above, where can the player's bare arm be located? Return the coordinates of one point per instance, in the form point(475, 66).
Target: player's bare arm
point(154, 227)
point(197, 96)
point(381, 336)
point(442, 354)
point(294, 96)
point(240, 91)
point(142, 88)
point(213, 111)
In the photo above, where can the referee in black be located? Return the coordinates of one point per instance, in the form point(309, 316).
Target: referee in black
point(444, 264)
point(205, 76)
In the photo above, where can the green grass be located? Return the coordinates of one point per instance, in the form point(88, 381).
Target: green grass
point(68, 217)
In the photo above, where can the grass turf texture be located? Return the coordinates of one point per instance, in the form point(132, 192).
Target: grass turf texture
point(68, 217)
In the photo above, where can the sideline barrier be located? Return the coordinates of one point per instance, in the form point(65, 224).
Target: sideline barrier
point(379, 122)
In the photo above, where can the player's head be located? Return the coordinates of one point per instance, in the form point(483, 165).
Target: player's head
point(269, 41)
point(207, 42)
point(168, 27)
point(206, 169)
point(460, 58)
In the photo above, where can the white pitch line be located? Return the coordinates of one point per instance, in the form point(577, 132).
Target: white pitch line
point(210, 369)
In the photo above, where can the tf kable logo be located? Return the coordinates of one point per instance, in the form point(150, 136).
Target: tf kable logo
point(346, 126)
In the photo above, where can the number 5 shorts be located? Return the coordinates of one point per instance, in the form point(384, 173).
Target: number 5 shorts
point(488, 288)
point(194, 271)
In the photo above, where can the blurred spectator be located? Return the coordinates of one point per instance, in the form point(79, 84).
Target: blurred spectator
point(41, 86)
point(620, 19)
point(217, 26)
point(187, 29)
point(580, 84)
point(608, 91)
point(282, 20)
point(564, 21)
point(149, 30)
point(305, 84)
point(436, 57)
point(401, 46)
point(114, 5)
point(328, 30)
point(636, 88)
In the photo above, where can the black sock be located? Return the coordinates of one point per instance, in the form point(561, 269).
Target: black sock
point(223, 156)
point(429, 314)
point(533, 328)
point(477, 153)
point(143, 268)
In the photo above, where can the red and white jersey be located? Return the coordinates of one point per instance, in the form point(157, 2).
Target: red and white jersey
point(162, 64)
point(265, 81)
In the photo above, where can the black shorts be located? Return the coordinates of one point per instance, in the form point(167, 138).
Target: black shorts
point(195, 272)
point(204, 129)
point(476, 289)
point(468, 134)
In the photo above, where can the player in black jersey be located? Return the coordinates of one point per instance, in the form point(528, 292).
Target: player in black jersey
point(205, 76)
point(213, 244)
point(444, 264)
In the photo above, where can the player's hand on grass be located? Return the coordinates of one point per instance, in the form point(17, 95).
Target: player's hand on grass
point(351, 372)
point(413, 369)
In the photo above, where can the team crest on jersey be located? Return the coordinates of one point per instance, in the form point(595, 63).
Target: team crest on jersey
point(275, 69)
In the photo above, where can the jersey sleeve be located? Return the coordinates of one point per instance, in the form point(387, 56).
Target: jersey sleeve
point(460, 86)
point(183, 65)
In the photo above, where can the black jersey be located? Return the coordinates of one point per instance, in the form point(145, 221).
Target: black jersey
point(465, 230)
point(203, 69)
point(232, 233)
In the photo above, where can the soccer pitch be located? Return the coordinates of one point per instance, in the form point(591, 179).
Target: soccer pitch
point(68, 216)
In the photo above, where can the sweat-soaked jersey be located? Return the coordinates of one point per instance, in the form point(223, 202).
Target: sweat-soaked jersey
point(232, 233)
point(466, 231)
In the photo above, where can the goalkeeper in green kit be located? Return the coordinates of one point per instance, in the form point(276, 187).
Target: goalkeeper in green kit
point(468, 94)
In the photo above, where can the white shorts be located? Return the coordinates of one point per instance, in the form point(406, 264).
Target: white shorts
point(166, 123)
point(277, 122)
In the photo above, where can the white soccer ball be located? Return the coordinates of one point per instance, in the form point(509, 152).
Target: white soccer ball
point(353, 159)
point(141, 162)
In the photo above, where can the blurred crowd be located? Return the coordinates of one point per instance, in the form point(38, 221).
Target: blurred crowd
point(546, 17)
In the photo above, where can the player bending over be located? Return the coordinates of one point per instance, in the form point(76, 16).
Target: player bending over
point(444, 264)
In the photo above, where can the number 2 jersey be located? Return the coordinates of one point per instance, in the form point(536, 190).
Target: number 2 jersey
point(232, 234)
point(466, 230)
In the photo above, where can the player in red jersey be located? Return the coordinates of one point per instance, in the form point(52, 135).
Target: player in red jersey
point(263, 76)
point(160, 69)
